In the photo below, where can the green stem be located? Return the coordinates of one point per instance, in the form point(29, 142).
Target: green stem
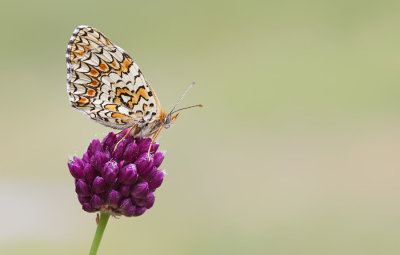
point(99, 233)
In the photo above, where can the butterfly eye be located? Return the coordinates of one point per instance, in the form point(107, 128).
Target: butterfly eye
point(167, 120)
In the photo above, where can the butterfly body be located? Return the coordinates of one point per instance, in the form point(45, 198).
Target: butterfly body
point(150, 128)
point(106, 84)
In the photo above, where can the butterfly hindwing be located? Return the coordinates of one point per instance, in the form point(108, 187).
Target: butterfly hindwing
point(105, 83)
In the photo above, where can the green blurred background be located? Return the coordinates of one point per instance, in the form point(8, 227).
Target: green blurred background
point(295, 151)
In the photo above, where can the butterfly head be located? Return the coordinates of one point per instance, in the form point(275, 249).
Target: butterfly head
point(170, 120)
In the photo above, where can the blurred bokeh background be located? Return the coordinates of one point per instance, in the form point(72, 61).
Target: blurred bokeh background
point(295, 152)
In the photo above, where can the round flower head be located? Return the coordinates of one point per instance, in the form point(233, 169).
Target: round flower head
point(118, 181)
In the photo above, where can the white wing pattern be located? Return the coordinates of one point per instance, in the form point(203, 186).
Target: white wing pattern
point(105, 83)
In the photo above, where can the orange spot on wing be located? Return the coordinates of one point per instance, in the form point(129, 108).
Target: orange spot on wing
point(112, 107)
point(117, 101)
point(118, 116)
point(125, 65)
point(91, 92)
point(93, 72)
point(82, 100)
point(120, 91)
point(135, 96)
point(103, 67)
point(94, 83)
point(142, 92)
point(114, 63)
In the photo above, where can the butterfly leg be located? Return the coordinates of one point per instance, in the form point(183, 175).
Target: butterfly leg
point(154, 138)
point(127, 133)
point(120, 132)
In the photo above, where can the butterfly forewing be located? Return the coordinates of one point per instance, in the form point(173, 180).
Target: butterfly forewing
point(105, 83)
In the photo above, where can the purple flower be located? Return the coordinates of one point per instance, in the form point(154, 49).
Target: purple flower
point(120, 181)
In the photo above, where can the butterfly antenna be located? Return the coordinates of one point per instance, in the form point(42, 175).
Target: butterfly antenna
point(180, 109)
point(181, 98)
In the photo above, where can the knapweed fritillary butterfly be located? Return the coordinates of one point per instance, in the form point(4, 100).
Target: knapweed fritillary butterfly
point(106, 84)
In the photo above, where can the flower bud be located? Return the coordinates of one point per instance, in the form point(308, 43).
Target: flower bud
point(128, 175)
point(156, 179)
point(154, 147)
point(158, 158)
point(109, 142)
point(130, 211)
point(76, 168)
point(139, 211)
point(131, 152)
point(94, 147)
point(143, 164)
point(96, 202)
point(144, 145)
point(86, 157)
point(113, 198)
point(140, 190)
point(83, 199)
point(147, 202)
point(88, 208)
point(99, 159)
point(126, 204)
point(119, 151)
point(125, 190)
point(90, 173)
point(110, 171)
point(82, 188)
point(99, 185)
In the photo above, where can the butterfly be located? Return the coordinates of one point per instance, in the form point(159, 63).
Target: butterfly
point(106, 84)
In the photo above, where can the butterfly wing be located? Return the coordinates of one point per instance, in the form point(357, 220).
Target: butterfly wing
point(105, 83)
